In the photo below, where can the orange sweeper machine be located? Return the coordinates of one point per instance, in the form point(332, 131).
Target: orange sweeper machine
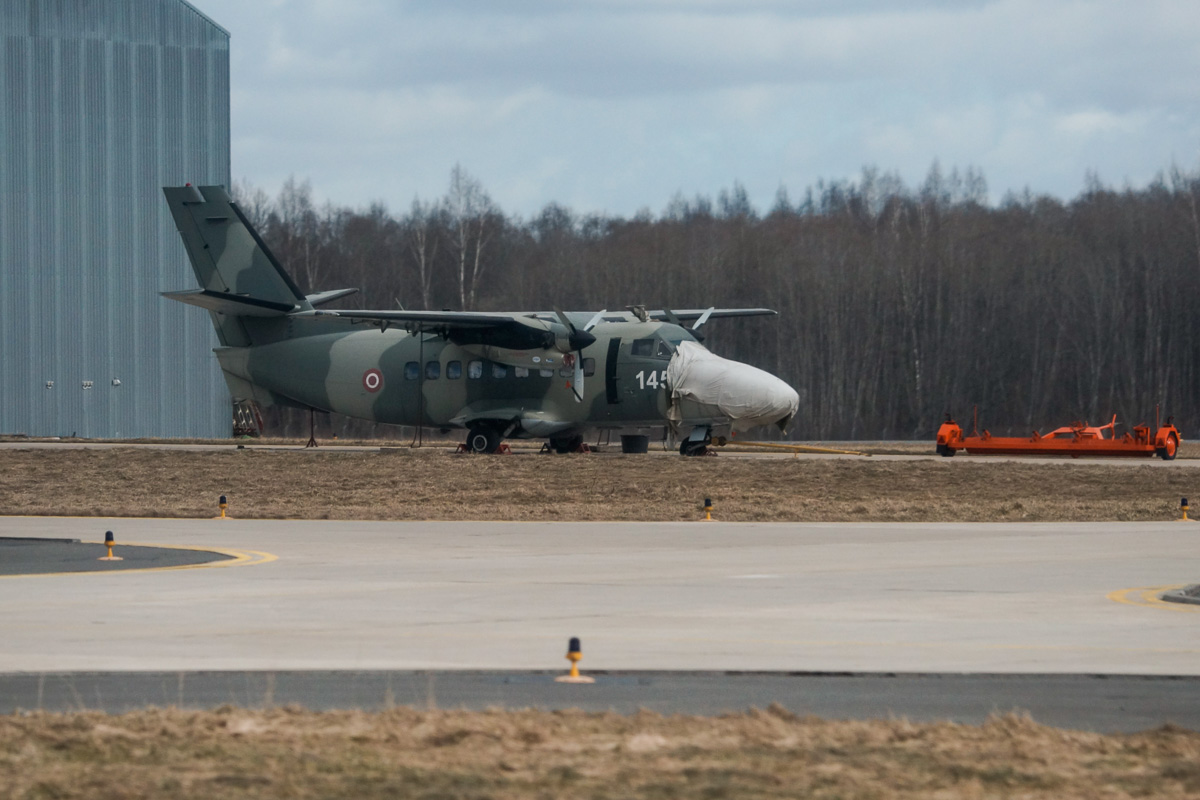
point(1075, 440)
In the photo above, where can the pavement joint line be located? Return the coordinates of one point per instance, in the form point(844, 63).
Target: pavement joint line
point(1151, 597)
point(237, 558)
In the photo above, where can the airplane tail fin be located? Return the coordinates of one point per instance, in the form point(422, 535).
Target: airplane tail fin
point(238, 275)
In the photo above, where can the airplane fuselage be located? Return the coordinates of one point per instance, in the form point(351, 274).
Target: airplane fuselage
point(426, 379)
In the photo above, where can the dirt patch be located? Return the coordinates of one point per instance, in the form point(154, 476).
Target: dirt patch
point(435, 484)
point(404, 753)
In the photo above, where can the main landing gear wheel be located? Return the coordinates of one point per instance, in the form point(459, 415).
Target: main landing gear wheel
point(689, 448)
point(566, 444)
point(483, 439)
point(1168, 452)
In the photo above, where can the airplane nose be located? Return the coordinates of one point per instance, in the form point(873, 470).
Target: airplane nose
point(770, 401)
point(747, 395)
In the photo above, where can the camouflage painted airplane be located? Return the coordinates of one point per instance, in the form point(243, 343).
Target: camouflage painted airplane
point(522, 375)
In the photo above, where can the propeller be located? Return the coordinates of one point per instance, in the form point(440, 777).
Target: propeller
point(674, 320)
point(577, 340)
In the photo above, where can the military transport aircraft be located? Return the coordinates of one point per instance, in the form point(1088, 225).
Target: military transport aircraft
point(523, 375)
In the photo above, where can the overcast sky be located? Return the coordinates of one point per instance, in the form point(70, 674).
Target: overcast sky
point(611, 106)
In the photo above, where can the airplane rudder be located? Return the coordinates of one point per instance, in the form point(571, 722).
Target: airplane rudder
point(227, 254)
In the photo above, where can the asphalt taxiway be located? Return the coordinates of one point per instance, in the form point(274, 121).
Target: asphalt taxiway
point(41, 556)
point(1084, 702)
point(982, 598)
point(949, 620)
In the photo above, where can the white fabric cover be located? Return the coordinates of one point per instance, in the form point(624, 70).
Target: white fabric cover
point(748, 396)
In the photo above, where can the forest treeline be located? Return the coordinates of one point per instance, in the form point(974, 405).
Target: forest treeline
point(896, 304)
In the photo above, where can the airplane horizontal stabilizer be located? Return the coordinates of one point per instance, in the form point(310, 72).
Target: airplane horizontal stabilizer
point(234, 304)
point(321, 298)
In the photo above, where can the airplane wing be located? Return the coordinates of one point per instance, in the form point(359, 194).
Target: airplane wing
point(430, 320)
point(688, 314)
point(511, 331)
point(443, 320)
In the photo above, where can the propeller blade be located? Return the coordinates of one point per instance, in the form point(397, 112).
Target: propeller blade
point(674, 320)
point(703, 318)
point(577, 386)
point(576, 341)
point(595, 319)
point(671, 318)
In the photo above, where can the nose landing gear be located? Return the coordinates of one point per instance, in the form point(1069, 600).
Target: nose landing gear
point(697, 443)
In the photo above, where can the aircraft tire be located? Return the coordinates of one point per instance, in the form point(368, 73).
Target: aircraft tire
point(693, 448)
point(566, 445)
point(482, 439)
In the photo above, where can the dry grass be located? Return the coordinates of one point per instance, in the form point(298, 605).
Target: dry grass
point(433, 483)
point(402, 753)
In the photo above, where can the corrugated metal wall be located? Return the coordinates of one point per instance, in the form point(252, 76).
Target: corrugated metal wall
point(103, 103)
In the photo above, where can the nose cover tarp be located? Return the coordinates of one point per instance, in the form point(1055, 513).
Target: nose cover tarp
point(748, 396)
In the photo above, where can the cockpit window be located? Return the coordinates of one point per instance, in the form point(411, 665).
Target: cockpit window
point(650, 348)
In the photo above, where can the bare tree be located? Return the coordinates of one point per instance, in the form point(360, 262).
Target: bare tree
point(423, 239)
point(471, 213)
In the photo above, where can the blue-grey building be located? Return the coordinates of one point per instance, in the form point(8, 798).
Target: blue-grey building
point(102, 103)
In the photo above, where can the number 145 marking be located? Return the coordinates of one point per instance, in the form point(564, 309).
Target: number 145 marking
point(652, 379)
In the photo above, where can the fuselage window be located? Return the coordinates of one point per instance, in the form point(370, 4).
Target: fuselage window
point(546, 373)
point(499, 370)
point(433, 370)
point(589, 367)
point(642, 347)
point(474, 369)
point(412, 371)
point(521, 372)
point(664, 350)
point(453, 370)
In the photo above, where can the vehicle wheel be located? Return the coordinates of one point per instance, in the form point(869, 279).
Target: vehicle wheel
point(945, 451)
point(693, 448)
point(483, 439)
point(1168, 453)
point(567, 444)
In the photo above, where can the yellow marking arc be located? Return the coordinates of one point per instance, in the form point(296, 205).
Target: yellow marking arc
point(1150, 597)
point(237, 558)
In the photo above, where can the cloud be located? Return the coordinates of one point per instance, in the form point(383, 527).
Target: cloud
point(615, 104)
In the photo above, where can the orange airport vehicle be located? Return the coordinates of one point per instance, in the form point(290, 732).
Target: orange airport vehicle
point(1075, 440)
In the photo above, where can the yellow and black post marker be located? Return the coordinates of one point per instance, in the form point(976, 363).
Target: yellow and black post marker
point(224, 505)
point(1183, 506)
point(108, 543)
point(708, 507)
point(574, 655)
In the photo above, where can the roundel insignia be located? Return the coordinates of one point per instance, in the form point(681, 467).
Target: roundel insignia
point(372, 380)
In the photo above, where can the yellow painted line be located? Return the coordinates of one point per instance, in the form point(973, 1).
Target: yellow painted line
point(1151, 597)
point(237, 558)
